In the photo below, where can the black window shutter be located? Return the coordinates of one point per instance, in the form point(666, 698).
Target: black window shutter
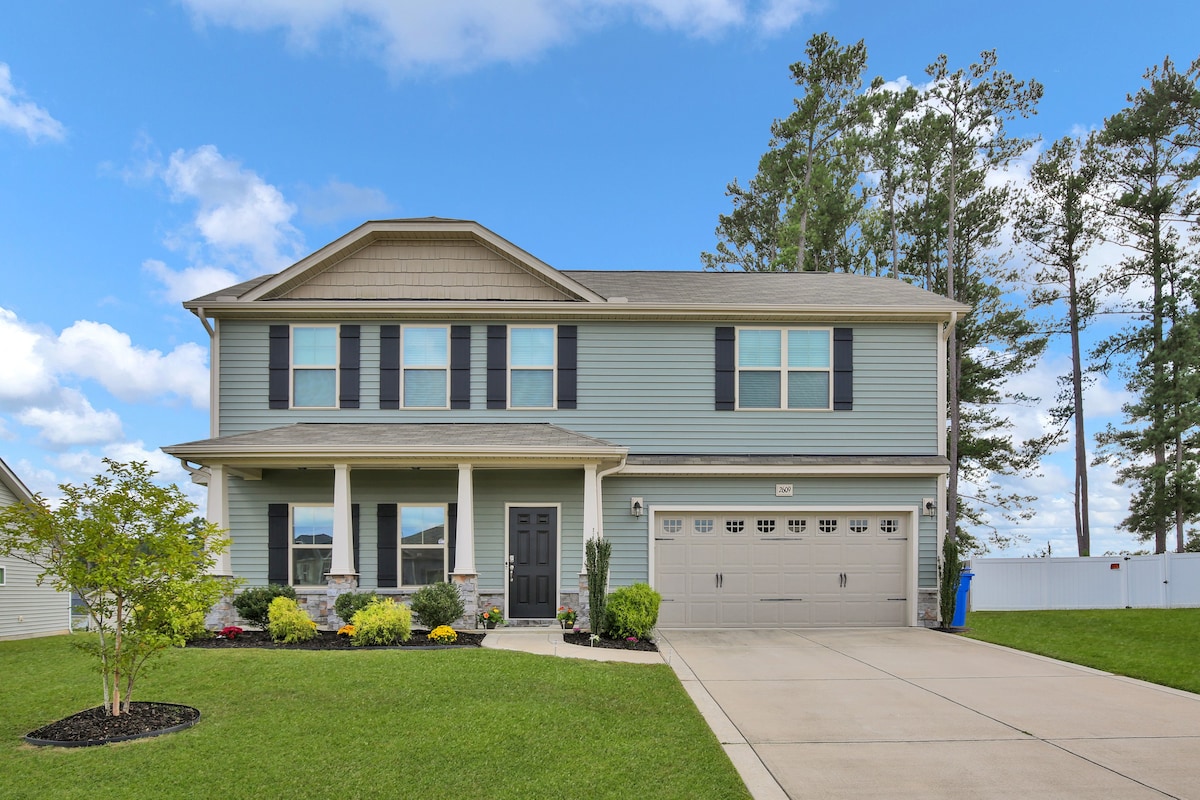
point(843, 369)
point(724, 360)
point(277, 543)
point(460, 366)
point(348, 365)
point(389, 366)
point(497, 366)
point(567, 359)
point(279, 365)
point(452, 532)
point(354, 537)
point(386, 545)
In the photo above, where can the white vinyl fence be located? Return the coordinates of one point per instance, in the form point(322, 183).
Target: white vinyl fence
point(1170, 580)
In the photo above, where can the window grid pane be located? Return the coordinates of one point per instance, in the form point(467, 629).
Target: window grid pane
point(426, 347)
point(422, 525)
point(808, 349)
point(758, 390)
point(532, 347)
point(314, 388)
point(532, 388)
point(808, 390)
point(759, 348)
point(424, 388)
point(314, 347)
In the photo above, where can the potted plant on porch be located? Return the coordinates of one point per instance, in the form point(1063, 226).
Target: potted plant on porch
point(566, 617)
point(491, 617)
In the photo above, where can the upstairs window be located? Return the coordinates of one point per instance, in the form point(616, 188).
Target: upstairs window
point(531, 362)
point(425, 355)
point(781, 368)
point(314, 366)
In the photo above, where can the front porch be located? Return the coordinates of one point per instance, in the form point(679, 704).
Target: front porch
point(501, 510)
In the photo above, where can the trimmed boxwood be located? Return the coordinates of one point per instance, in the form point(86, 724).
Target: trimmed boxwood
point(254, 604)
point(632, 611)
point(437, 604)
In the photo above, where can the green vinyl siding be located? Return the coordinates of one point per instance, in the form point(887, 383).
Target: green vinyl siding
point(647, 386)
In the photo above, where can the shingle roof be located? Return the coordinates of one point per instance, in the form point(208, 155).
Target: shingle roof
point(400, 440)
point(766, 288)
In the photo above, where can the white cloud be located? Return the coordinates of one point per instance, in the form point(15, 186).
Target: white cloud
point(72, 421)
point(465, 34)
point(23, 365)
point(239, 211)
point(104, 354)
point(337, 201)
point(25, 116)
point(83, 465)
point(242, 226)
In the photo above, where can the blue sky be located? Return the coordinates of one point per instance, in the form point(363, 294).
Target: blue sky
point(150, 151)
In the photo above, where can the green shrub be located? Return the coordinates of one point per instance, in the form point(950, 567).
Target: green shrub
point(288, 622)
point(949, 575)
point(253, 604)
point(382, 623)
point(437, 604)
point(348, 603)
point(632, 611)
point(597, 553)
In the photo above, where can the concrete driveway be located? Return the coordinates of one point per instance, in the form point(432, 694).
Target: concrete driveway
point(907, 712)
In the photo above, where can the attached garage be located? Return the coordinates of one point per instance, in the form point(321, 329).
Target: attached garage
point(783, 568)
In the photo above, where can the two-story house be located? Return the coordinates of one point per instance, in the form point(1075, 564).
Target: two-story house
point(422, 400)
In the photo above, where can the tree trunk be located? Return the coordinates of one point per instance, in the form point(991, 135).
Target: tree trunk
point(1083, 535)
point(1157, 410)
point(802, 244)
point(954, 366)
point(895, 238)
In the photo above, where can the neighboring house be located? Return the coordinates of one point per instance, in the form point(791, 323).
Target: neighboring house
point(422, 400)
point(26, 609)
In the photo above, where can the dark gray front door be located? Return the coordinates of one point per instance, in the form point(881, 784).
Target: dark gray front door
point(533, 560)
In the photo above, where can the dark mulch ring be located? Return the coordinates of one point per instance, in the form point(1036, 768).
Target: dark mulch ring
point(95, 727)
point(328, 640)
point(585, 639)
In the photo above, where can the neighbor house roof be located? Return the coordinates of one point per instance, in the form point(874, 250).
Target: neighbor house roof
point(14, 484)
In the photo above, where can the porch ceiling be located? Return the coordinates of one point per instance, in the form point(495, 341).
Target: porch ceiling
point(313, 444)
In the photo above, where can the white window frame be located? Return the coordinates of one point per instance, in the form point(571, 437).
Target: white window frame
point(782, 370)
point(3, 574)
point(553, 366)
point(400, 546)
point(336, 367)
point(404, 329)
point(292, 546)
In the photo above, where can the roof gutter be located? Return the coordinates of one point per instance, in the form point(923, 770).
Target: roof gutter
point(199, 312)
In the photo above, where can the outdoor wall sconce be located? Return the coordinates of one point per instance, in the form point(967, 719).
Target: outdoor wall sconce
point(636, 506)
point(928, 507)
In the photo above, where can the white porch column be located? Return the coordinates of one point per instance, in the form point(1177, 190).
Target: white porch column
point(464, 549)
point(217, 513)
point(591, 509)
point(343, 542)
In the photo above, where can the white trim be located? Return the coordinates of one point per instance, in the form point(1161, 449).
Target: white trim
point(214, 380)
point(446, 369)
point(3, 574)
point(337, 359)
point(914, 532)
point(783, 369)
point(508, 343)
point(217, 512)
point(941, 387)
point(558, 522)
point(779, 469)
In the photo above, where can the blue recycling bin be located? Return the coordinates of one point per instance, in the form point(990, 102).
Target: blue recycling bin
point(960, 599)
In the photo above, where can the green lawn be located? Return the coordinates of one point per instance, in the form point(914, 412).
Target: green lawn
point(383, 723)
point(1156, 645)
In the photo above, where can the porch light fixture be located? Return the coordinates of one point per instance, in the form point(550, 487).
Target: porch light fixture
point(636, 506)
point(928, 507)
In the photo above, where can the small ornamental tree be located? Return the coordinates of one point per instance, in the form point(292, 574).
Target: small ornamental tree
point(597, 553)
point(132, 553)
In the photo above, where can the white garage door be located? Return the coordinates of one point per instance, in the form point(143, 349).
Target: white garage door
point(771, 569)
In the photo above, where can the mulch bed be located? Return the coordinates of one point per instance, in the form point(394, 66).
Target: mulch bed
point(585, 639)
point(328, 640)
point(95, 727)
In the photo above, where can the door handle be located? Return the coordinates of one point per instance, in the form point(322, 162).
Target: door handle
point(512, 567)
